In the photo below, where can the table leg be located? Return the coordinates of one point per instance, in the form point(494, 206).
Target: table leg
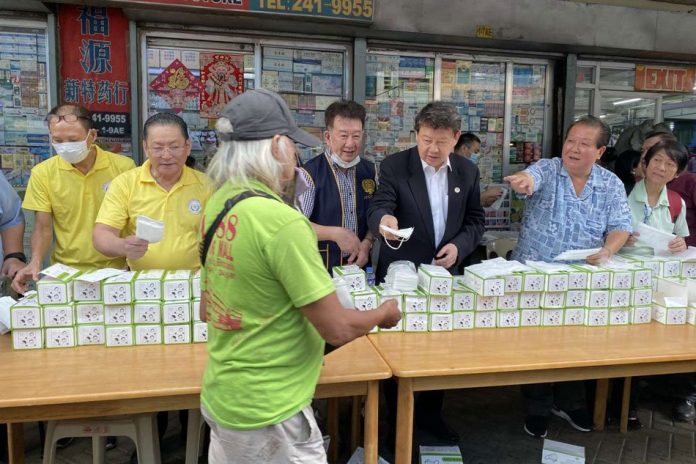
point(355, 423)
point(332, 426)
point(625, 399)
point(600, 405)
point(371, 421)
point(15, 443)
point(404, 421)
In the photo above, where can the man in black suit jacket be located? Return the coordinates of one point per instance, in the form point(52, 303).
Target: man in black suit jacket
point(436, 192)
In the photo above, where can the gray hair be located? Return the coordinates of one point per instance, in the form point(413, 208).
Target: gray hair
point(595, 123)
point(439, 115)
point(242, 161)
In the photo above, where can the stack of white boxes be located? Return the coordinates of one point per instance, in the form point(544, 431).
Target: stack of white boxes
point(110, 308)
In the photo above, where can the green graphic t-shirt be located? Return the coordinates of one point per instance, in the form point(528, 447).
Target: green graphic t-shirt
point(264, 356)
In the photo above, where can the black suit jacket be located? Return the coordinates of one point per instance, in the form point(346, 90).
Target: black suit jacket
point(402, 192)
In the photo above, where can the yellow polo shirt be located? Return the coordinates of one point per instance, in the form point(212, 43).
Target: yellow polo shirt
point(137, 193)
point(73, 199)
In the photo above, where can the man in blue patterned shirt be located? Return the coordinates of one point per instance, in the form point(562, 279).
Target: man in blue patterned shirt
point(572, 203)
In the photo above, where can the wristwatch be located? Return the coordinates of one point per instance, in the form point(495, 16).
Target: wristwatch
point(17, 255)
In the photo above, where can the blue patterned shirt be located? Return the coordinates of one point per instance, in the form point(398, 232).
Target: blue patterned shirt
point(556, 219)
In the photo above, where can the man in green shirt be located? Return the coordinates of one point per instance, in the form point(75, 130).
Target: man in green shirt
point(267, 297)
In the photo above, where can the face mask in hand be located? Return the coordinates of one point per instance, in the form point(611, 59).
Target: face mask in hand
point(344, 164)
point(72, 152)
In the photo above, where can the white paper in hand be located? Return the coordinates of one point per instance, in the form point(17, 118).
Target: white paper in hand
point(655, 238)
point(576, 255)
point(401, 233)
point(149, 229)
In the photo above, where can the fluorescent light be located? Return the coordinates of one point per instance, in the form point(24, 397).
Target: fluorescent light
point(602, 116)
point(623, 102)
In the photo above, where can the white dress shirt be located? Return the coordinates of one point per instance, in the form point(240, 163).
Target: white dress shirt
point(436, 182)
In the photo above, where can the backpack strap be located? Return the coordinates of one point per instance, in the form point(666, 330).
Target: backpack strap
point(675, 204)
point(229, 204)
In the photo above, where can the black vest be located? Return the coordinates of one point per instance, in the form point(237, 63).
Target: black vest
point(328, 205)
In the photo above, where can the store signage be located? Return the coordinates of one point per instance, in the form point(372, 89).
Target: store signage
point(665, 79)
point(94, 65)
point(361, 10)
point(484, 31)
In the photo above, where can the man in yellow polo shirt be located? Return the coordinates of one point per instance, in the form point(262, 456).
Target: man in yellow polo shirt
point(163, 189)
point(66, 191)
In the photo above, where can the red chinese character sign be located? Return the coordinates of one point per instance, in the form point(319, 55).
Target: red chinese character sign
point(222, 78)
point(94, 66)
point(177, 85)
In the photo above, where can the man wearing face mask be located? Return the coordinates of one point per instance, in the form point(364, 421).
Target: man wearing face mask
point(468, 146)
point(66, 191)
point(339, 188)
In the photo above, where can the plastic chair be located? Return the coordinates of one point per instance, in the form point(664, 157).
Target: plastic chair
point(141, 428)
point(500, 247)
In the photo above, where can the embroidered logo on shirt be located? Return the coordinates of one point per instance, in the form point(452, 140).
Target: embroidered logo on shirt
point(369, 186)
point(194, 206)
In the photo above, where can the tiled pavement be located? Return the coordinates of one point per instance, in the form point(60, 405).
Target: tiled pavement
point(490, 423)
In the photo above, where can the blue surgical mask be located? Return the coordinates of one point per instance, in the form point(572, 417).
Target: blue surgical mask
point(474, 157)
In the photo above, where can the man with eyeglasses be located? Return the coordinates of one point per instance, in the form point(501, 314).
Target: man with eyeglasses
point(340, 186)
point(163, 189)
point(65, 193)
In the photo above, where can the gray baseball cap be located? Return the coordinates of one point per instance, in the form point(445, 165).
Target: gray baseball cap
point(261, 114)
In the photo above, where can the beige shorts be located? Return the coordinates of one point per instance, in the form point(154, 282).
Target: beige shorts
point(295, 440)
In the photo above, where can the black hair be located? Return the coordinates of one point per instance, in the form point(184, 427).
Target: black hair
point(166, 119)
point(674, 150)
point(467, 139)
point(624, 168)
point(661, 134)
point(83, 114)
point(439, 115)
point(596, 123)
point(346, 109)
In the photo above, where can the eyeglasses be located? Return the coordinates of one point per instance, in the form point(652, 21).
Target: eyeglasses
point(173, 150)
point(70, 117)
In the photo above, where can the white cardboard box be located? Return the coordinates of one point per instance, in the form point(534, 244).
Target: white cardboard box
point(641, 296)
point(148, 285)
point(513, 283)
point(440, 322)
point(87, 291)
point(440, 455)
point(463, 320)
point(552, 317)
point(176, 312)
point(485, 319)
point(118, 290)
point(598, 299)
point(200, 332)
point(530, 317)
point(463, 300)
point(54, 291)
point(556, 452)
point(89, 313)
point(148, 334)
point(26, 313)
point(58, 316)
point(509, 301)
point(355, 278)
point(574, 316)
point(485, 303)
point(552, 300)
point(176, 334)
point(440, 304)
point(530, 300)
point(147, 313)
point(196, 311)
point(576, 298)
point(620, 316)
point(27, 339)
point(415, 322)
point(119, 335)
point(176, 285)
point(508, 318)
point(597, 316)
point(91, 334)
point(434, 280)
point(670, 316)
point(641, 314)
point(60, 337)
point(118, 314)
point(619, 298)
point(415, 302)
point(196, 285)
point(482, 284)
point(365, 300)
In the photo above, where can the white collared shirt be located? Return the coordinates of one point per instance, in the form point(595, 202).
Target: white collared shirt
point(436, 182)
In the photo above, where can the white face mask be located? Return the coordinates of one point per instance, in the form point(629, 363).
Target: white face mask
point(72, 152)
point(344, 164)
